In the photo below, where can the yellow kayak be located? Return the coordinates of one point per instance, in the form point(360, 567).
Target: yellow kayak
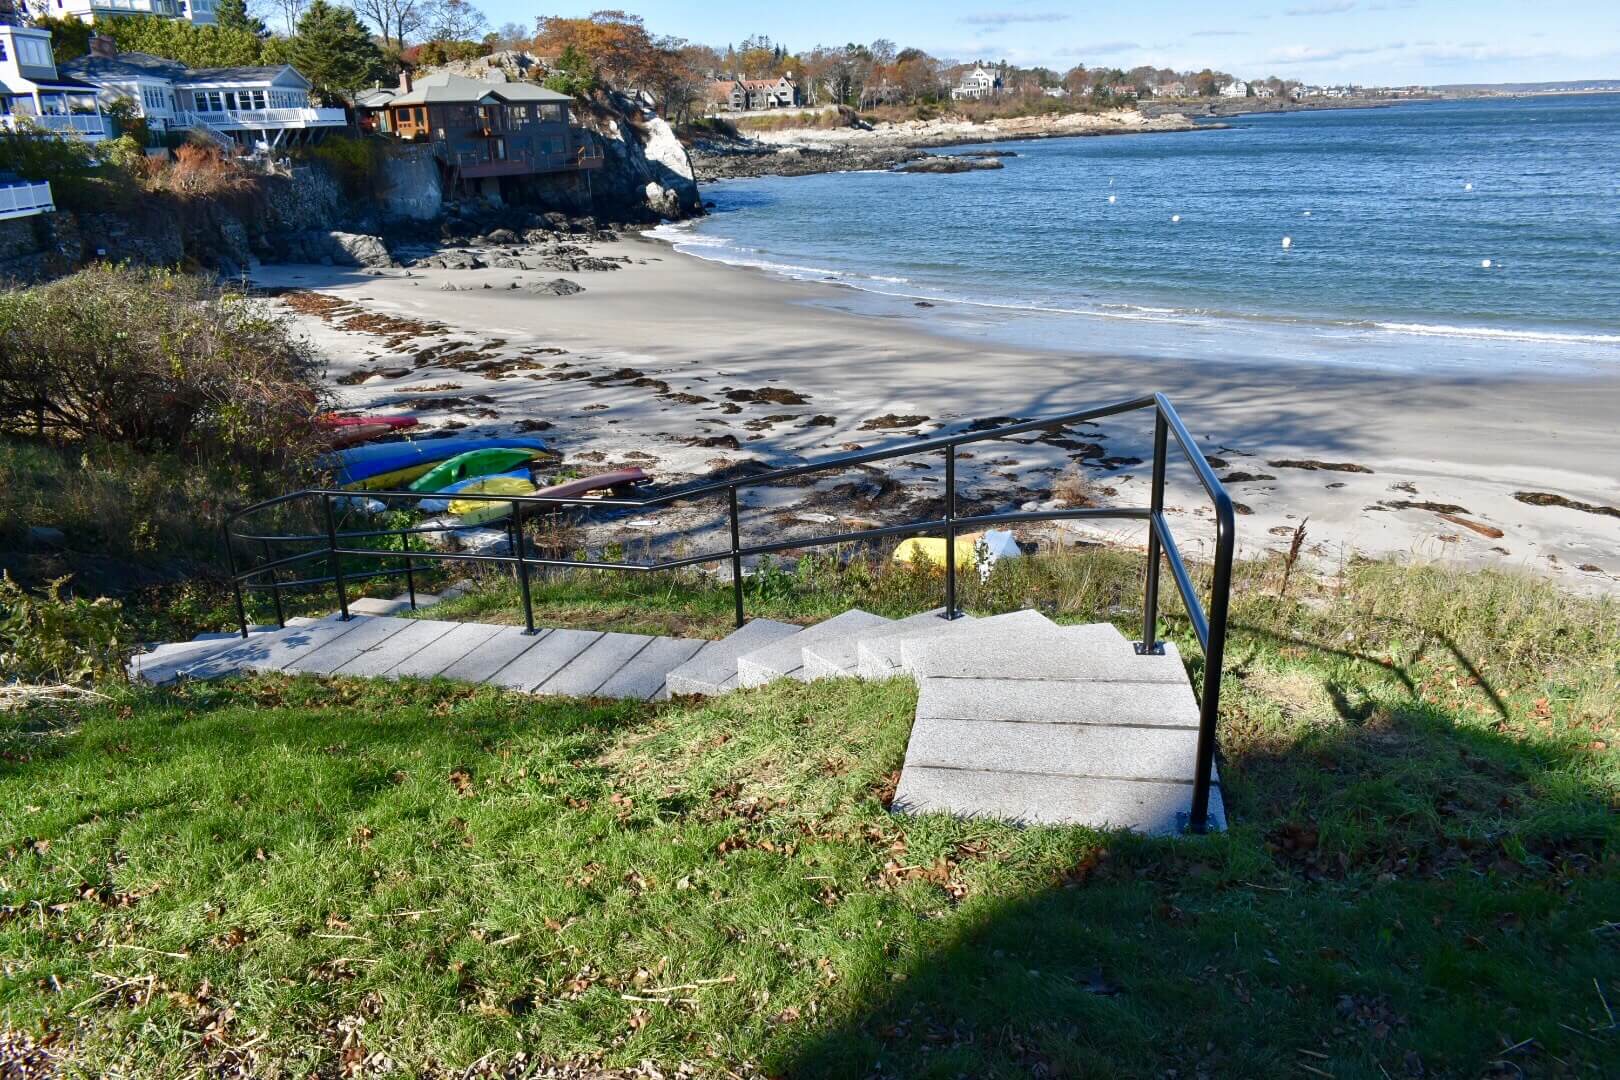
point(932, 548)
point(397, 480)
point(477, 511)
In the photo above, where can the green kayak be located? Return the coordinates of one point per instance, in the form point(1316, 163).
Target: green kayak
point(471, 464)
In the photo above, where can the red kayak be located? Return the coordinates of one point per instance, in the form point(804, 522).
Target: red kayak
point(345, 431)
point(601, 482)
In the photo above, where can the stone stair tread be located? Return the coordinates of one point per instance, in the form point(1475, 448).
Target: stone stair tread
point(886, 656)
point(494, 653)
point(837, 657)
point(784, 658)
point(272, 652)
point(1038, 653)
point(369, 635)
point(1146, 704)
point(714, 669)
point(411, 639)
point(1147, 806)
point(544, 659)
point(598, 662)
point(432, 659)
point(643, 676)
point(166, 663)
point(1058, 749)
point(377, 605)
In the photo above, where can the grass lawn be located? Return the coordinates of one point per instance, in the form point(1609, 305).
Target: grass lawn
point(292, 877)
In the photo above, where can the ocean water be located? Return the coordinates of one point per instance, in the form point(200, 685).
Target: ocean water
point(1461, 236)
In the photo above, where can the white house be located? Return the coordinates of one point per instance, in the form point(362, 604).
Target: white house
point(250, 106)
point(200, 12)
point(35, 97)
point(977, 85)
point(1235, 89)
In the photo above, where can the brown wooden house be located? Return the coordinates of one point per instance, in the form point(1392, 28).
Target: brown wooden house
point(481, 129)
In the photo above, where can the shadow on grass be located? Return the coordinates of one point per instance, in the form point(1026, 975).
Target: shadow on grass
point(1405, 893)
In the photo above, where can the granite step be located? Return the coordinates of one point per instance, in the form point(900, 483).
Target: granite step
point(1152, 807)
point(1097, 652)
point(383, 658)
point(644, 675)
point(543, 659)
point(888, 655)
point(598, 662)
point(456, 644)
point(785, 658)
point(713, 670)
point(274, 651)
point(831, 658)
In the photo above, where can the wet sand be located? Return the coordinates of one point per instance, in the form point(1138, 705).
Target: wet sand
point(683, 366)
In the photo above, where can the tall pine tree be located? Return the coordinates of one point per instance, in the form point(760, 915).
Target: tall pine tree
point(334, 51)
point(234, 15)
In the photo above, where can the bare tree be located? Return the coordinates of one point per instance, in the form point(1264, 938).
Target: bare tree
point(453, 20)
point(289, 10)
point(394, 19)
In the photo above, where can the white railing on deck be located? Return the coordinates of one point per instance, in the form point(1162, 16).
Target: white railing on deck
point(90, 125)
point(28, 197)
point(268, 118)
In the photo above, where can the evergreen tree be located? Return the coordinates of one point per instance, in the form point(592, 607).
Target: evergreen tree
point(234, 15)
point(192, 45)
point(334, 51)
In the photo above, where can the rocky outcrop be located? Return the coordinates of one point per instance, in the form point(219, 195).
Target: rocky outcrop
point(646, 175)
point(950, 165)
point(331, 247)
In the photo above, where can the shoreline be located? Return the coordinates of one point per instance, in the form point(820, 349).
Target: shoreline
point(685, 366)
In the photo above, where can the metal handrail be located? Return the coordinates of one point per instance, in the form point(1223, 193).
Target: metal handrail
point(1208, 625)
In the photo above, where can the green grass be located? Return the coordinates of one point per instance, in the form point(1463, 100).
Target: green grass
point(288, 876)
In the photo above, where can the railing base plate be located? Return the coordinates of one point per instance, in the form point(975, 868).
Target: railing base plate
point(1142, 650)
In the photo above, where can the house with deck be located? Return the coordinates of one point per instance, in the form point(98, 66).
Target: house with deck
point(35, 97)
point(979, 84)
point(240, 107)
point(482, 130)
point(200, 12)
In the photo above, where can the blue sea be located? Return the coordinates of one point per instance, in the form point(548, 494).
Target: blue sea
point(1448, 236)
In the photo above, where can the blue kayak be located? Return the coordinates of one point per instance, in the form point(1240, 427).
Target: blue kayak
point(374, 459)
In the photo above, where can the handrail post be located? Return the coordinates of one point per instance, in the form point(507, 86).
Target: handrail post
point(736, 555)
point(1149, 645)
point(275, 588)
point(522, 567)
point(236, 582)
point(410, 567)
point(1209, 707)
point(950, 531)
point(334, 560)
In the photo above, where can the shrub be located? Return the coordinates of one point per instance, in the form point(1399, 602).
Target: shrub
point(80, 175)
point(201, 170)
point(156, 361)
point(353, 161)
point(47, 637)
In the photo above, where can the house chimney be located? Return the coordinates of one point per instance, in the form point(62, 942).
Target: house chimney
point(404, 80)
point(103, 47)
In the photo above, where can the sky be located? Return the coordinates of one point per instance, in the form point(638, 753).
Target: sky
point(1373, 42)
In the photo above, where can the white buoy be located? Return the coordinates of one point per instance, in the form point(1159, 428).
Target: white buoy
point(1307, 213)
point(1288, 242)
point(1484, 264)
point(1110, 198)
point(1175, 217)
point(1468, 187)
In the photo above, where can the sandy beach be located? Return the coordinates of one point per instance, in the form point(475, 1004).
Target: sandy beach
point(684, 366)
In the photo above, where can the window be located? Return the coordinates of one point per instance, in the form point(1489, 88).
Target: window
point(33, 52)
point(3, 50)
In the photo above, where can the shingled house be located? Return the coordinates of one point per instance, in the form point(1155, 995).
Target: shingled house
point(747, 95)
point(482, 130)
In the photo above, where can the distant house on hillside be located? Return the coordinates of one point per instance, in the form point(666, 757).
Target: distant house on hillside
point(747, 95)
point(483, 130)
point(1173, 90)
point(978, 84)
point(240, 106)
point(35, 97)
point(1237, 88)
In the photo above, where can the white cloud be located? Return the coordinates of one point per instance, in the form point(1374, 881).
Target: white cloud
point(1006, 18)
point(1327, 7)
